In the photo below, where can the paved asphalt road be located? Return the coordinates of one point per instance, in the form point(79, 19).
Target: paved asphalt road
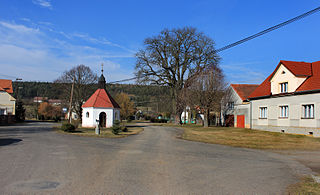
point(36, 160)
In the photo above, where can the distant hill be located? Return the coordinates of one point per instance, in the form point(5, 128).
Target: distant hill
point(142, 95)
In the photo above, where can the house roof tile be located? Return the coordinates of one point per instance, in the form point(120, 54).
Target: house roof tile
point(244, 90)
point(304, 69)
point(6, 85)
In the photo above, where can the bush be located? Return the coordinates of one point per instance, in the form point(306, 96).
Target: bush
point(116, 128)
point(124, 129)
point(75, 123)
point(67, 127)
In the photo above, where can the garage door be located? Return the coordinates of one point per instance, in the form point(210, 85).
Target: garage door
point(240, 121)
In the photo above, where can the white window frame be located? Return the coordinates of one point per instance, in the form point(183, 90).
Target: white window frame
point(284, 111)
point(284, 87)
point(231, 105)
point(263, 112)
point(308, 111)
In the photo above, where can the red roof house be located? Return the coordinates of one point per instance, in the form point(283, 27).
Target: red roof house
point(310, 71)
point(6, 85)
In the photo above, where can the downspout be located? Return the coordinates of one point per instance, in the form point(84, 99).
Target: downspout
point(250, 114)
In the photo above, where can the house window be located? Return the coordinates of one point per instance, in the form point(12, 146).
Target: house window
point(284, 111)
point(308, 111)
point(2, 111)
point(231, 105)
point(87, 114)
point(284, 87)
point(263, 112)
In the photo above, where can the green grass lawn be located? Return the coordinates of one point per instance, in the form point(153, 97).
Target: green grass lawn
point(248, 138)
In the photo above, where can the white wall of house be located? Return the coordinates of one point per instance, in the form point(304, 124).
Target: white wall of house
point(226, 110)
point(295, 122)
point(283, 75)
point(89, 120)
point(7, 103)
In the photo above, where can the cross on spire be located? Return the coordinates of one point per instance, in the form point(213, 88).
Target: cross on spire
point(102, 68)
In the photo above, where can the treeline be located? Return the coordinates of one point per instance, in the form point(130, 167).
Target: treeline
point(141, 95)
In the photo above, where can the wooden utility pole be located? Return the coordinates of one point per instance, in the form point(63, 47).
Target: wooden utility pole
point(70, 106)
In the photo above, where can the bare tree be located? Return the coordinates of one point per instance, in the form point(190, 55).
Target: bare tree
point(83, 78)
point(207, 90)
point(174, 57)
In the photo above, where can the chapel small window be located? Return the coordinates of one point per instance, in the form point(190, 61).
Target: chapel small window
point(87, 114)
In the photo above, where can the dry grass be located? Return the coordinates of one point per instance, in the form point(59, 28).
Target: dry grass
point(250, 138)
point(104, 133)
point(306, 186)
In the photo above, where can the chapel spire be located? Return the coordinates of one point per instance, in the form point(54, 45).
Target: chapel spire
point(102, 80)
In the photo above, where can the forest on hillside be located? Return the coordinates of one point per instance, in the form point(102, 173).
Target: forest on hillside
point(142, 95)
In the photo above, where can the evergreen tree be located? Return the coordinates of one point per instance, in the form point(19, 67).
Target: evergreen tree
point(20, 111)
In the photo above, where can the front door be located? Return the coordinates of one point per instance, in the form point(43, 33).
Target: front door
point(102, 119)
point(240, 121)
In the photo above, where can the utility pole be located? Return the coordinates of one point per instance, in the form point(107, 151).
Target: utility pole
point(70, 106)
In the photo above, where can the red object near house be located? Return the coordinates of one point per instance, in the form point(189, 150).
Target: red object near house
point(240, 121)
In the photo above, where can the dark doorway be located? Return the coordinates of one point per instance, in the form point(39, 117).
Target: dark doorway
point(102, 119)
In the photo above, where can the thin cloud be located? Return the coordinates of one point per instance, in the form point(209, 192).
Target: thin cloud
point(43, 3)
point(242, 73)
point(48, 54)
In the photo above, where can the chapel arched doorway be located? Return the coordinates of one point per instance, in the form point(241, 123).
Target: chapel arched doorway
point(102, 119)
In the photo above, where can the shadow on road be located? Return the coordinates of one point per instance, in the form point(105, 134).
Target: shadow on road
point(8, 141)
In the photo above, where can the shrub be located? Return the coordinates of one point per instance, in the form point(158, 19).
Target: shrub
point(75, 123)
point(124, 129)
point(116, 128)
point(67, 127)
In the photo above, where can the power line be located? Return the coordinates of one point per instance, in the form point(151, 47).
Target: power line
point(247, 38)
point(269, 29)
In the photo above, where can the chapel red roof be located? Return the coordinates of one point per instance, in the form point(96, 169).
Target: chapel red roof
point(101, 99)
point(244, 90)
point(299, 69)
point(6, 85)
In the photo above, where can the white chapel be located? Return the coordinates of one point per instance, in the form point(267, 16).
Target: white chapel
point(100, 107)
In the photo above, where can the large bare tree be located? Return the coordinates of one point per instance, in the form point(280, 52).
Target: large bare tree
point(83, 77)
point(172, 58)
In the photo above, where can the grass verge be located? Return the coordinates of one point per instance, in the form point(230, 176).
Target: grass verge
point(104, 133)
point(247, 138)
point(307, 185)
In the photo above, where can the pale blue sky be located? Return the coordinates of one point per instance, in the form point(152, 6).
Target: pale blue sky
point(39, 39)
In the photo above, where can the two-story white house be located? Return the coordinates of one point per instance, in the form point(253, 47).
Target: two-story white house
point(7, 102)
point(288, 100)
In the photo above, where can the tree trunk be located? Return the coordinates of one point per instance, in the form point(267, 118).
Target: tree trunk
point(206, 118)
